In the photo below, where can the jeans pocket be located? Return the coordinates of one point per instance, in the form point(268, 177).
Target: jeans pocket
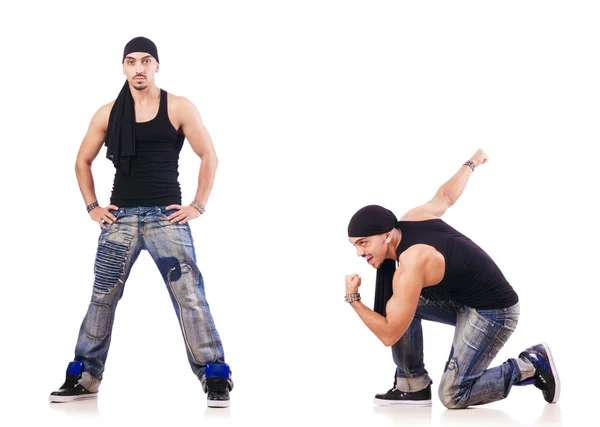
point(111, 228)
point(179, 234)
point(164, 212)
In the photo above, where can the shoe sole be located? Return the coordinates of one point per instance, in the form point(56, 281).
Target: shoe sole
point(66, 399)
point(554, 372)
point(384, 402)
point(218, 403)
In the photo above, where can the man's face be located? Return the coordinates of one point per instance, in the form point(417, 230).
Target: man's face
point(372, 248)
point(140, 68)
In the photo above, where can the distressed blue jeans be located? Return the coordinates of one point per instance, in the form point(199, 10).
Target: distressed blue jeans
point(172, 248)
point(479, 335)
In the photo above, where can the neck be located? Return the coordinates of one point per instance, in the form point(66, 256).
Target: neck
point(151, 93)
point(393, 245)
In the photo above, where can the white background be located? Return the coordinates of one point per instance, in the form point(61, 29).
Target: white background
point(316, 108)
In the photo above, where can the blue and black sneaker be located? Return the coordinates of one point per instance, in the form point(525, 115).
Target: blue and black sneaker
point(217, 384)
point(72, 389)
point(545, 377)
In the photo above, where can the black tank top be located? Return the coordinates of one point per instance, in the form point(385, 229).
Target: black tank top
point(153, 178)
point(471, 278)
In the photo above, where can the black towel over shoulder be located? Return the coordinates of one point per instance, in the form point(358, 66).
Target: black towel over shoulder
point(120, 134)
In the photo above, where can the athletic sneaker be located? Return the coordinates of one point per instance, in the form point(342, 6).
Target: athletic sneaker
point(406, 398)
point(217, 390)
point(217, 383)
point(71, 390)
point(545, 377)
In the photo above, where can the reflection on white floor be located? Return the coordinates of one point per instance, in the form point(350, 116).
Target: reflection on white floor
point(87, 409)
point(549, 416)
point(89, 413)
point(186, 406)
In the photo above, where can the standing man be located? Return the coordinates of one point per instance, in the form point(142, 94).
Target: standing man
point(144, 130)
point(442, 276)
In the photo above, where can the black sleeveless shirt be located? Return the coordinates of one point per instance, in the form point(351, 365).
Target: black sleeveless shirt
point(471, 277)
point(153, 177)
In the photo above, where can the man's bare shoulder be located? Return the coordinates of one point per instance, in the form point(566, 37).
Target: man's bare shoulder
point(101, 116)
point(182, 111)
point(416, 254)
point(105, 109)
point(179, 102)
point(425, 259)
point(418, 214)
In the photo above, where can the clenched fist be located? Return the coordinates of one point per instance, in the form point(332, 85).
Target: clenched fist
point(352, 283)
point(479, 157)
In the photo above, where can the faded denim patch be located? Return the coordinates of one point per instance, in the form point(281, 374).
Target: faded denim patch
point(110, 261)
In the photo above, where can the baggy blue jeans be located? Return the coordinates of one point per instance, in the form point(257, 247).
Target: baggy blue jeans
point(479, 336)
point(172, 248)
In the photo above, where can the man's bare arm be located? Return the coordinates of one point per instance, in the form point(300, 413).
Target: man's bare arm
point(190, 123)
point(201, 143)
point(448, 193)
point(410, 278)
point(88, 151)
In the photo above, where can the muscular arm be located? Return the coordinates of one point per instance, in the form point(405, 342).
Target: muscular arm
point(89, 149)
point(420, 267)
point(201, 143)
point(447, 194)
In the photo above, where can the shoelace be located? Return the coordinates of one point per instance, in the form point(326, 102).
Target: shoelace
point(394, 389)
point(218, 387)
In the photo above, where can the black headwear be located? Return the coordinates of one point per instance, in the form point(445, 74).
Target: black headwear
point(370, 221)
point(120, 134)
point(141, 44)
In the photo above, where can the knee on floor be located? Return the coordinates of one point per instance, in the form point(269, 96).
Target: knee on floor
point(452, 401)
point(451, 392)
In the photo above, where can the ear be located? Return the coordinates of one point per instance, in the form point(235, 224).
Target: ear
point(388, 237)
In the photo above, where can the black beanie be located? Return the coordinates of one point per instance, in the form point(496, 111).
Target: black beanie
point(141, 44)
point(370, 221)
